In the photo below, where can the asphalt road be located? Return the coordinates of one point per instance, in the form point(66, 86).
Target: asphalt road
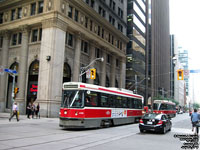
point(45, 133)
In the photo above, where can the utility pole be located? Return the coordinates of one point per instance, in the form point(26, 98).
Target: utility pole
point(135, 84)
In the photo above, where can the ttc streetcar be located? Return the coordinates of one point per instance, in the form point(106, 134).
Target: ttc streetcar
point(92, 106)
point(164, 106)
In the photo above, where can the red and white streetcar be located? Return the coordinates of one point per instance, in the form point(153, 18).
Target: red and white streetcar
point(164, 106)
point(89, 106)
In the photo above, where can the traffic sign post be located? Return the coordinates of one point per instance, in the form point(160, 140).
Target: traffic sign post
point(13, 74)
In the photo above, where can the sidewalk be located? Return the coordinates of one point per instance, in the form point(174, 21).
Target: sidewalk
point(4, 119)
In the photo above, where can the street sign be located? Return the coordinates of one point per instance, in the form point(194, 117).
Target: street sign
point(195, 71)
point(10, 71)
point(88, 73)
point(1, 70)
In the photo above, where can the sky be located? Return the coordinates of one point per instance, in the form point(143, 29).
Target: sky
point(185, 25)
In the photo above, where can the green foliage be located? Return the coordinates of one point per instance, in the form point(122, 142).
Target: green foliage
point(196, 105)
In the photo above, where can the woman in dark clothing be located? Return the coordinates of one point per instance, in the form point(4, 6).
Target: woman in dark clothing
point(37, 111)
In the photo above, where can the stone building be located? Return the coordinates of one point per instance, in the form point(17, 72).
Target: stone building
point(48, 41)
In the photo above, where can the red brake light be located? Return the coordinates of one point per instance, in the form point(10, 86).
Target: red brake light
point(160, 122)
point(141, 121)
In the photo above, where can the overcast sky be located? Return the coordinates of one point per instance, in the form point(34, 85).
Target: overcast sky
point(185, 24)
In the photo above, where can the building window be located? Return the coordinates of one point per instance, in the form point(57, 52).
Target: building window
point(114, 6)
point(97, 52)
point(20, 38)
point(40, 7)
point(120, 45)
point(1, 18)
point(120, 27)
point(91, 25)
point(70, 12)
point(108, 58)
point(14, 39)
point(12, 14)
point(70, 40)
point(34, 35)
point(110, 4)
point(102, 12)
point(33, 9)
point(117, 43)
point(76, 15)
point(86, 22)
point(120, 12)
point(92, 3)
point(40, 34)
point(109, 38)
point(117, 63)
point(102, 33)
point(84, 47)
point(1, 41)
point(19, 13)
point(112, 39)
point(99, 30)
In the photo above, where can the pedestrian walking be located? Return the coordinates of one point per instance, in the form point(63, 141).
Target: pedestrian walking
point(32, 110)
point(37, 111)
point(195, 117)
point(29, 110)
point(14, 112)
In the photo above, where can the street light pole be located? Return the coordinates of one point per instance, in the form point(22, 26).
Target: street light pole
point(135, 84)
point(82, 69)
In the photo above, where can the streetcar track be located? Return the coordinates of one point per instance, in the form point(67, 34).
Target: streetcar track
point(109, 139)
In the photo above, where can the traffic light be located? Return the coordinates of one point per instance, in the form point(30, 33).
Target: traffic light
point(16, 90)
point(92, 73)
point(180, 74)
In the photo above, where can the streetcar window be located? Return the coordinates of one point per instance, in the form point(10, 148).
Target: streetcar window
point(93, 99)
point(124, 102)
point(104, 100)
point(72, 98)
point(118, 102)
point(163, 107)
point(155, 106)
point(112, 99)
point(129, 104)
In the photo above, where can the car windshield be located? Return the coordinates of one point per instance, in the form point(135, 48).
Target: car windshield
point(72, 99)
point(152, 116)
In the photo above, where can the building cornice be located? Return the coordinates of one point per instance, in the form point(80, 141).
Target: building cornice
point(54, 22)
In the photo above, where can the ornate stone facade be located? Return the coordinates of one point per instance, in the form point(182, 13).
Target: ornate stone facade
point(42, 36)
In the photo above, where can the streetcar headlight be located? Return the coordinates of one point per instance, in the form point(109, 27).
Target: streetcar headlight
point(65, 112)
point(76, 113)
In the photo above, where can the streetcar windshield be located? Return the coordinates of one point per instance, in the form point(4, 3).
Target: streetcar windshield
point(155, 106)
point(72, 99)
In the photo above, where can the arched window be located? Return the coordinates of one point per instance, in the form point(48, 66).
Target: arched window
point(15, 66)
point(34, 68)
point(66, 73)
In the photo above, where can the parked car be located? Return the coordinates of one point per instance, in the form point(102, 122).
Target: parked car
point(155, 122)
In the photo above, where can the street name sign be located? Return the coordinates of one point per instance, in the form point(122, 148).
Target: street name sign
point(10, 71)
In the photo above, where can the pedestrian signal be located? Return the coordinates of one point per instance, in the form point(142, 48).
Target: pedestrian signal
point(16, 90)
point(92, 73)
point(180, 74)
